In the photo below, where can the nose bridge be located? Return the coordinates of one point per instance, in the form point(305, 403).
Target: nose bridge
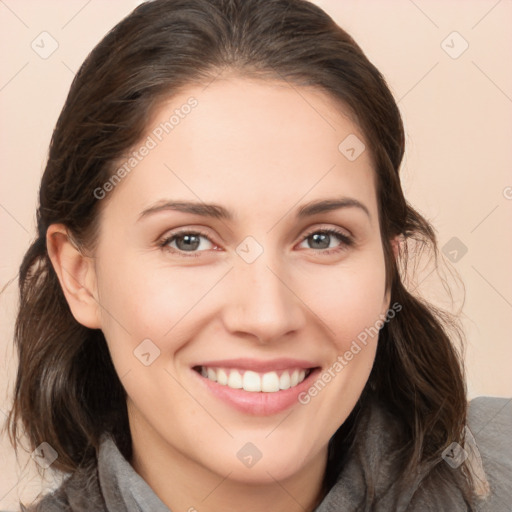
point(260, 301)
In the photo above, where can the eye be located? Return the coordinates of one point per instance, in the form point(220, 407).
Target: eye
point(191, 242)
point(186, 242)
point(322, 238)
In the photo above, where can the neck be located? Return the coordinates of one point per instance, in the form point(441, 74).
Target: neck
point(183, 484)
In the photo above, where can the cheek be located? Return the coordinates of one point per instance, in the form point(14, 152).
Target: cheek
point(142, 300)
point(349, 298)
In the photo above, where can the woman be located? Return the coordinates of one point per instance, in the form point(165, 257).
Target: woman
point(212, 316)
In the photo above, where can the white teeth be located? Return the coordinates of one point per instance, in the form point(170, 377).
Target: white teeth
point(235, 380)
point(211, 374)
point(222, 377)
point(269, 382)
point(284, 381)
point(252, 381)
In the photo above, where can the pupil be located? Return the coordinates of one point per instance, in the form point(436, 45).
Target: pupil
point(191, 242)
point(322, 238)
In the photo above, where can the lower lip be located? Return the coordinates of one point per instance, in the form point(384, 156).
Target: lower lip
point(258, 403)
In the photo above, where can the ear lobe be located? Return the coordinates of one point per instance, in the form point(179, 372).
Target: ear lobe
point(395, 244)
point(76, 275)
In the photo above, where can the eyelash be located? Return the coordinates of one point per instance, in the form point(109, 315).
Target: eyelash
point(346, 240)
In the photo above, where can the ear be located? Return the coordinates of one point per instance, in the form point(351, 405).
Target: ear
point(395, 245)
point(77, 276)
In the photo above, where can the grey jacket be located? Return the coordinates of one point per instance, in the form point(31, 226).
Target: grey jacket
point(116, 487)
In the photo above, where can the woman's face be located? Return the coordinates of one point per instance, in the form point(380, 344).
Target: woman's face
point(251, 292)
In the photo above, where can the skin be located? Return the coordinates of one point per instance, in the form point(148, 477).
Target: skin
point(262, 150)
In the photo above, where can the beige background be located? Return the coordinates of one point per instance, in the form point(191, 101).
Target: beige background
point(457, 170)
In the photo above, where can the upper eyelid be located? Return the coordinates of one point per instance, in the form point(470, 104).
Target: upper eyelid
point(314, 229)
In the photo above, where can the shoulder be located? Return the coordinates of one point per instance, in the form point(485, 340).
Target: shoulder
point(490, 424)
point(80, 492)
point(490, 416)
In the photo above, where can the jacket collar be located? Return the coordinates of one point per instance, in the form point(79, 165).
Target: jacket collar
point(123, 489)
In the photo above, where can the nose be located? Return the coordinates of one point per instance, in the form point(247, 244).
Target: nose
point(261, 302)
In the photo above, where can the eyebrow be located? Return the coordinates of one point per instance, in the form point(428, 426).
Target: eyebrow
point(219, 212)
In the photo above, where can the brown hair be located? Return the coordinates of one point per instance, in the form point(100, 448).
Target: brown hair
point(161, 47)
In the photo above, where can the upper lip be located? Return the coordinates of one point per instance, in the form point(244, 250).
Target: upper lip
point(259, 365)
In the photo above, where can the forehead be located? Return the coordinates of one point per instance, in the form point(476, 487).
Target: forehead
point(249, 144)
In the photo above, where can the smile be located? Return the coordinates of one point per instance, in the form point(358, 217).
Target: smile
point(269, 382)
point(255, 386)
